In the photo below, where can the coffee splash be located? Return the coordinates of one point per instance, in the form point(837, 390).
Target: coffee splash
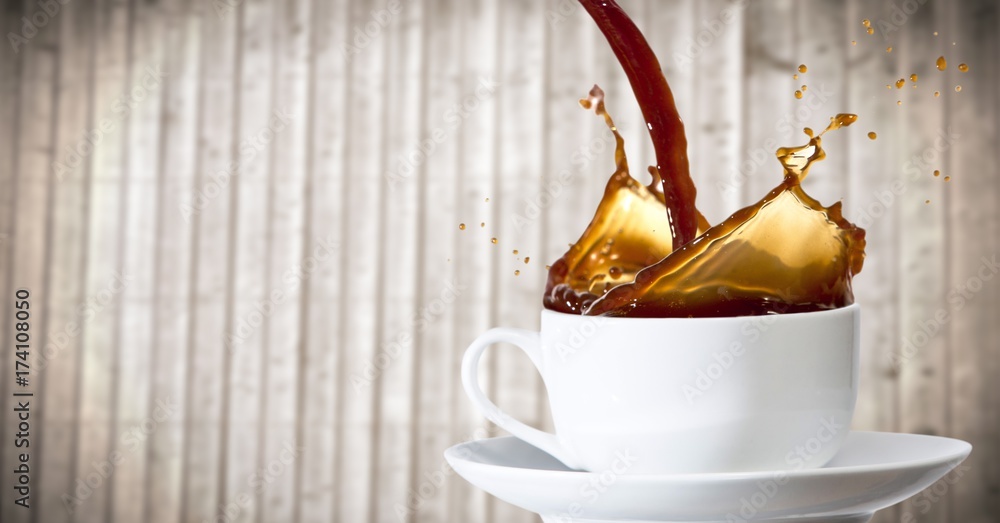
point(786, 253)
point(629, 232)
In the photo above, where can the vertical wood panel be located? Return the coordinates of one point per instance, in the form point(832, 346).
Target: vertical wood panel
point(290, 263)
point(60, 356)
point(245, 341)
point(328, 136)
point(138, 113)
point(10, 84)
point(32, 182)
point(437, 191)
point(100, 339)
point(175, 170)
point(394, 377)
point(473, 263)
point(358, 340)
point(209, 281)
point(971, 210)
point(992, 357)
point(713, 127)
point(11, 66)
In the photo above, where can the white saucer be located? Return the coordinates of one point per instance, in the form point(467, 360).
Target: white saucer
point(873, 470)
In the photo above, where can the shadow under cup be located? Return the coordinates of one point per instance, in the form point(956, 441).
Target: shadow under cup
point(687, 395)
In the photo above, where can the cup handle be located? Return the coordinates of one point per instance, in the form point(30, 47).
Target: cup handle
point(530, 343)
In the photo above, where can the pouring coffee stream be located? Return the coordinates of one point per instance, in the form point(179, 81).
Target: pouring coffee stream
point(785, 253)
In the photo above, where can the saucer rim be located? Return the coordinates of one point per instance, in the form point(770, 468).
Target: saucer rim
point(959, 455)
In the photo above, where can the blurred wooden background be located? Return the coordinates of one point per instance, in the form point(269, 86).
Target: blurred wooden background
point(300, 288)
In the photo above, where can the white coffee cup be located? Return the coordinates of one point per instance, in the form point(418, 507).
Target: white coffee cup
point(687, 395)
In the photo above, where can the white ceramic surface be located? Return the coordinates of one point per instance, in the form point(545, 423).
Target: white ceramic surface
point(686, 395)
point(872, 471)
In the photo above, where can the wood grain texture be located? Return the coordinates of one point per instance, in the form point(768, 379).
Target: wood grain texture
point(97, 439)
point(210, 277)
point(32, 182)
point(972, 26)
point(260, 269)
point(358, 339)
point(292, 259)
point(138, 111)
point(175, 169)
point(245, 349)
point(716, 92)
point(59, 359)
point(440, 88)
point(327, 150)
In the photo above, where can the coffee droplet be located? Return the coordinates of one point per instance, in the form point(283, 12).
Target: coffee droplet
point(461, 226)
point(527, 259)
point(935, 33)
point(515, 251)
point(547, 267)
point(804, 88)
point(947, 178)
point(927, 201)
point(958, 88)
point(937, 173)
point(615, 272)
point(900, 83)
point(888, 49)
point(482, 224)
point(937, 93)
point(798, 94)
point(872, 135)
point(871, 30)
point(841, 120)
point(913, 77)
point(854, 42)
point(517, 272)
point(487, 199)
point(888, 86)
point(493, 240)
point(899, 102)
point(866, 22)
point(941, 63)
point(795, 77)
point(803, 68)
point(963, 67)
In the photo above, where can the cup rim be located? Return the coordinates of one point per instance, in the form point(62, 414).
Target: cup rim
point(847, 309)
